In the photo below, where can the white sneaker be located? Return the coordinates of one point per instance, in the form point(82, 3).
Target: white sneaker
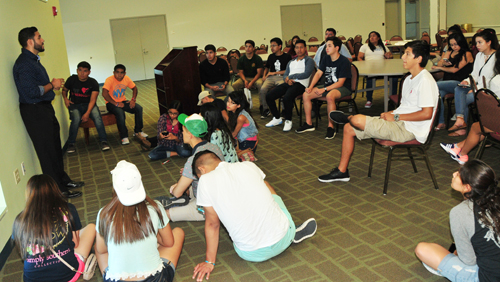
point(125, 141)
point(274, 122)
point(142, 134)
point(288, 125)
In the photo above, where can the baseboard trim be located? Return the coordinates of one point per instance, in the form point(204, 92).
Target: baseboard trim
point(6, 251)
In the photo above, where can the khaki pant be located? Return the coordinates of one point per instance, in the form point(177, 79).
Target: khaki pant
point(383, 129)
point(239, 84)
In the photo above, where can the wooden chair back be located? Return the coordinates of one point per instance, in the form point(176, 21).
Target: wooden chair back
point(358, 38)
point(221, 49)
point(202, 57)
point(357, 46)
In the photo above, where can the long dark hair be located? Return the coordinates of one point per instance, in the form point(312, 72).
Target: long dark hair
point(489, 35)
point(379, 42)
point(127, 224)
point(46, 208)
point(485, 193)
point(215, 121)
point(238, 98)
point(462, 43)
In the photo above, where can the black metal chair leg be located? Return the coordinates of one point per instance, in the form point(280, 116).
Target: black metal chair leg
point(412, 160)
point(388, 170)
point(372, 156)
point(429, 167)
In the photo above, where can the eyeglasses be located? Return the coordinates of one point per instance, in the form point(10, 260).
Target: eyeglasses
point(173, 113)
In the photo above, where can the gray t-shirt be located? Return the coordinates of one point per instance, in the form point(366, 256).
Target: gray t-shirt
point(462, 229)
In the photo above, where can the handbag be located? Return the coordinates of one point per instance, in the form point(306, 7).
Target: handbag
point(90, 265)
point(247, 155)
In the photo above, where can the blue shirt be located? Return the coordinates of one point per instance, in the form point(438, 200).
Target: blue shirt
point(30, 77)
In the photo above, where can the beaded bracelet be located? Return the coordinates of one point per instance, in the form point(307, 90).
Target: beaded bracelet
point(212, 263)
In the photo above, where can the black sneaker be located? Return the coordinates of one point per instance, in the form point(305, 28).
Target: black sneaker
point(104, 146)
point(265, 113)
point(75, 184)
point(72, 194)
point(173, 202)
point(338, 117)
point(305, 230)
point(335, 175)
point(305, 127)
point(71, 149)
point(330, 133)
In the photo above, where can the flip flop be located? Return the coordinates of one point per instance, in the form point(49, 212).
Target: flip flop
point(457, 133)
point(455, 128)
point(440, 126)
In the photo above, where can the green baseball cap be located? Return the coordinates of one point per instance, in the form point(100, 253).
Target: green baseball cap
point(195, 123)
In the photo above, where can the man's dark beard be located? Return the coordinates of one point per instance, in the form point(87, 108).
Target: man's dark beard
point(39, 47)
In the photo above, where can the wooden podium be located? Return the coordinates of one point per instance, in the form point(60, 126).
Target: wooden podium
point(177, 77)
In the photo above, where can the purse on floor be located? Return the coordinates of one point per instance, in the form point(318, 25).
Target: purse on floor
point(90, 265)
point(247, 155)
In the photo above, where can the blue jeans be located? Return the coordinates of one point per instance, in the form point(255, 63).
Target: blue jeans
point(462, 99)
point(369, 84)
point(76, 111)
point(162, 152)
point(454, 269)
point(445, 87)
point(120, 117)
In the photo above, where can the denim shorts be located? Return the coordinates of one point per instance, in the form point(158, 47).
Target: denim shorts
point(454, 269)
point(167, 274)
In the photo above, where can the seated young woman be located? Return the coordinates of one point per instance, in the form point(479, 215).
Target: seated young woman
point(375, 50)
point(475, 227)
point(49, 224)
point(291, 51)
point(456, 64)
point(241, 123)
point(218, 132)
point(134, 239)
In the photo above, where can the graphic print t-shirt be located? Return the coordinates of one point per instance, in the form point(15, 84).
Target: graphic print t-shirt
point(278, 63)
point(81, 91)
point(117, 88)
point(39, 268)
point(332, 71)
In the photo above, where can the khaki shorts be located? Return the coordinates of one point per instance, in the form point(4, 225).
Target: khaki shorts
point(188, 212)
point(382, 129)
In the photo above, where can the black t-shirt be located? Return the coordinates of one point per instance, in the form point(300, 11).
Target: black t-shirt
point(81, 91)
point(39, 268)
point(332, 71)
point(486, 245)
point(219, 104)
point(278, 63)
point(218, 72)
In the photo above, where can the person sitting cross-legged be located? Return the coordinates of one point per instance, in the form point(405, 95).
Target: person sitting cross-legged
point(255, 217)
point(336, 70)
point(411, 120)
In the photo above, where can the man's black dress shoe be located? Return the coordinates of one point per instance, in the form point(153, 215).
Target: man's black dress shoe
point(72, 194)
point(75, 184)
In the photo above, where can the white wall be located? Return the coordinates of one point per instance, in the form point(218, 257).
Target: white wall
point(191, 22)
point(478, 13)
point(16, 145)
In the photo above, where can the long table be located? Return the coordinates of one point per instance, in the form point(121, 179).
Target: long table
point(385, 68)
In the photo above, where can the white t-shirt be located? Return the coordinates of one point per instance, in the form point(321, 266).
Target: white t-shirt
point(378, 54)
point(483, 68)
point(495, 84)
point(244, 204)
point(419, 92)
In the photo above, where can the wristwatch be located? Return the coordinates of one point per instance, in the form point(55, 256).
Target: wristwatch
point(396, 117)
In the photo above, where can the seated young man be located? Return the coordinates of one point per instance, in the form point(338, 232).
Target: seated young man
point(113, 92)
point(250, 69)
point(297, 75)
point(255, 217)
point(336, 70)
point(214, 72)
point(182, 207)
point(273, 73)
point(411, 120)
point(321, 53)
point(83, 91)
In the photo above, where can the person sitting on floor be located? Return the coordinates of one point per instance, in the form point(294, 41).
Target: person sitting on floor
point(475, 227)
point(273, 73)
point(134, 239)
point(83, 91)
point(168, 143)
point(218, 133)
point(214, 72)
point(113, 92)
point(182, 207)
point(411, 120)
point(205, 97)
point(241, 122)
point(297, 75)
point(255, 217)
point(336, 72)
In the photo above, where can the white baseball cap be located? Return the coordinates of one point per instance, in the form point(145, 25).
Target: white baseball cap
point(127, 182)
point(202, 95)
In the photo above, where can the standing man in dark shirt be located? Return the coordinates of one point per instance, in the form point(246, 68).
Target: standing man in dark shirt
point(250, 69)
point(273, 73)
point(36, 92)
point(81, 104)
point(214, 72)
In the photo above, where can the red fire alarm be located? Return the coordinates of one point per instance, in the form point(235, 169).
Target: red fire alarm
point(54, 11)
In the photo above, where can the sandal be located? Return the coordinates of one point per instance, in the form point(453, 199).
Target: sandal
point(460, 132)
point(440, 126)
point(456, 127)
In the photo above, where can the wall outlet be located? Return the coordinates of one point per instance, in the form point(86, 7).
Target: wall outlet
point(17, 177)
point(23, 169)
